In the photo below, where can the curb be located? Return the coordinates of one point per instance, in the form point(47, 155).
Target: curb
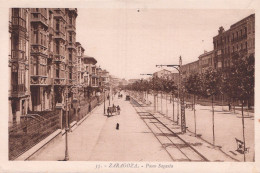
point(38, 146)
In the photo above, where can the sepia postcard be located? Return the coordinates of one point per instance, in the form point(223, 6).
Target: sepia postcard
point(129, 86)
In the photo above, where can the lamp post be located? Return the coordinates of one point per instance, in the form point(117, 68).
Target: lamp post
point(104, 101)
point(67, 126)
point(180, 94)
point(153, 90)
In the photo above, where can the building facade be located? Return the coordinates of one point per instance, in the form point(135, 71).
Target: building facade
point(162, 74)
point(42, 58)
point(240, 37)
point(206, 61)
point(19, 58)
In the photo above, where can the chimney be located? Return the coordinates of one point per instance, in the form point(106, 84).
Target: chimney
point(221, 30)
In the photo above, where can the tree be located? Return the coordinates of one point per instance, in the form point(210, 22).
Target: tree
point(241, 78)
point(210, 83)
point(193, 86)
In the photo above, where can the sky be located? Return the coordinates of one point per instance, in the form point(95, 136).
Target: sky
point(129, 42)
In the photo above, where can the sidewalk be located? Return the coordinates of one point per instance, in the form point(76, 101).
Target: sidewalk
point(97, 139)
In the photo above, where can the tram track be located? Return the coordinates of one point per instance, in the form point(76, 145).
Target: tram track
point(177, 148)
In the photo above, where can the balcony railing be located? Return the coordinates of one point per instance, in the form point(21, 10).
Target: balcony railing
point(59, 58)
point(59, 81)
point(40, 80)
point(39, 48)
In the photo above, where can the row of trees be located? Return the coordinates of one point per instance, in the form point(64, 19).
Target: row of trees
point(236, 82)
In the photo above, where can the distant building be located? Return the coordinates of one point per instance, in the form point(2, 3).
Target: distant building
point(90, 72)
point(162, 74)
point(190, 68)
point(206, 61)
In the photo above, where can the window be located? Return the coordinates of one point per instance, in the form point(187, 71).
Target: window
point(57, 47)
point(70, 20)
point(57, 25)
point(41, 38)
point(70, 57)
point(70, 37)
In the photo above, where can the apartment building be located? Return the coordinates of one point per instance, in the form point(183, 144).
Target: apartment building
point(42, 58)
point(19, 57)
point(238, 38)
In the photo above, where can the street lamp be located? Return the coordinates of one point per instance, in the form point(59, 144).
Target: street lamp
point(104, 101)
point(153, 90)
point(67, 126)
point(180, 93)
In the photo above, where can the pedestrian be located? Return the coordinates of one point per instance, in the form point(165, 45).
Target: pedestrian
point(229, 106)
point(114, 108)
point(118, 110)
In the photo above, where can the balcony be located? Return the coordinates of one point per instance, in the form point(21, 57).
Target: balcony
point(39, 81)
point(71, 28)
point(60, 81)
point(94, 75)
point(18, 55)
point(59, 58)
point(71, 82)
point(71, 45)
point(10, 26)
point(19, 90)
point(59, 35)
point(59, 14)
point(38, 17)
point(39, 49)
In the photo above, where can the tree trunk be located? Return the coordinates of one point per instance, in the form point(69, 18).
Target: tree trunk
point(154, 102)
point(178, 108)
point(173, 108)
point(195, 116)
point(166, 105)
point(213, 128)
point(161, 102)
point(222, 98)
point(243, 124)
point(157, 102)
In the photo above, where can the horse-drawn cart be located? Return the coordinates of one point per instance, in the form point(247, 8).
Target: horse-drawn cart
point(111, 110)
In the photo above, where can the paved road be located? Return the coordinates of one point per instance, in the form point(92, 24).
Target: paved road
point(97, 139)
